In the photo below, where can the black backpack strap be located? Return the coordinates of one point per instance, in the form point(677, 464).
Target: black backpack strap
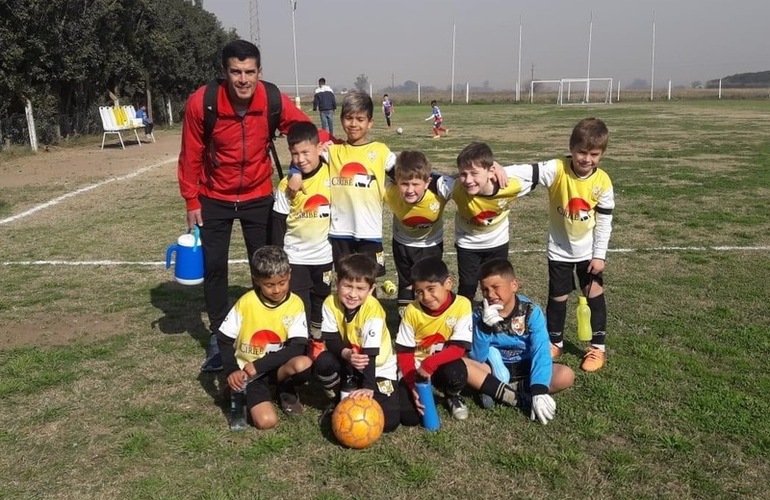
point(274, 109)
point(210, 110)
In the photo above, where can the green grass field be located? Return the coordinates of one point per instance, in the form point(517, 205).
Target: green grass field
point(102, 398)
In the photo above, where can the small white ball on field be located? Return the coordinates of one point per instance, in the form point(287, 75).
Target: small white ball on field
point(399, 131)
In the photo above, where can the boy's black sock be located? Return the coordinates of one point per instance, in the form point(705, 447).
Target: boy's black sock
point(504, 393)
point(556, 314)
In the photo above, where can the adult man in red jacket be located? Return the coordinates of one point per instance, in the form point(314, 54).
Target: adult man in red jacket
point(231, 179)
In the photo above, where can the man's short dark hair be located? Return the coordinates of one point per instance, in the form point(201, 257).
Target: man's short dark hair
point(301, 132)
point(241, 50)
point(429, 269)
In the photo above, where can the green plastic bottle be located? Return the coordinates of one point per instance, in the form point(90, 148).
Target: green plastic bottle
point(583, 313)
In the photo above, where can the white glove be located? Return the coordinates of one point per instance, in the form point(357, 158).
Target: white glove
point(543, 408)
point(491, 314)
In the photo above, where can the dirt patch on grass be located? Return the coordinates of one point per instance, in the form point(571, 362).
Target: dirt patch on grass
point(42, 330)
point(78, 164)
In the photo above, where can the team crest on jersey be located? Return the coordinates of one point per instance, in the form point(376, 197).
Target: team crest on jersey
point(451, 322)
point(596, 193)
point(518, 325)
point(327, 277)
point(380, 257)
point(372, 155)
point(502, 204)
point(355, 175)
point(434, 206)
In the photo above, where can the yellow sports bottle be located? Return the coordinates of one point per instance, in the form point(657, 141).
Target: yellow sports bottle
point(583, 313)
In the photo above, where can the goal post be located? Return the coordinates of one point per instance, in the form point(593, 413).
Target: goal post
point(584, 91)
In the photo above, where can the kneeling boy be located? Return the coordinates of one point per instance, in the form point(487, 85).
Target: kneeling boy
point(263, 339)
point(435, 333)
point(359, 358)
point(511, 344)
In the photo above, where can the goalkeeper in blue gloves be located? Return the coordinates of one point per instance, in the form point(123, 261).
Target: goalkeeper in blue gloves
point(510, 360)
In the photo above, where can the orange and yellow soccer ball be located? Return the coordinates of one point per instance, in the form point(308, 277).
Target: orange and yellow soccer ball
point(357, 423)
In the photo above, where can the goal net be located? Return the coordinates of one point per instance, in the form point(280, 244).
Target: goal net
point(585, 91)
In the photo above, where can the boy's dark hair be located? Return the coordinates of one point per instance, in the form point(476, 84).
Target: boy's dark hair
point(412, 165)
point(322, 81)
point(357, 102)
point(590, 133)
point(241, 50)
point(384, 95)
point(478, 153)
point(357, 267)
point(496, 267)
point(430, 269)
point(301, 132)
point(433, 102)
point(269, 261)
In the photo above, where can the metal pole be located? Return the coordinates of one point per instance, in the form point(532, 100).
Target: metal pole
point(518, 78)
point(588, 71)
point(452, 90)
point(652, 70)
point(293, 5)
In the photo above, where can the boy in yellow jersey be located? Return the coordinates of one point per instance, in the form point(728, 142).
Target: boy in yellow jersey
point(263, 339)
point(435, 333)
point(357, 173)
point(359, 358)
point(301, 226)
point(581, 200)
point(417, 199)
point(483, 205)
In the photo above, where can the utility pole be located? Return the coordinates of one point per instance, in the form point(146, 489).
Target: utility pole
point(254, 22)
point(532, 73)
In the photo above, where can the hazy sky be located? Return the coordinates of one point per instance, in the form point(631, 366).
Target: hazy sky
point(399, 40)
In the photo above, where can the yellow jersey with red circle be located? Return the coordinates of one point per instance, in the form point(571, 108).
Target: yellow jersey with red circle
point(428, 334)
point(367, 330)
point(259, 329)
point(357, 175)
point(420, 224)
point(308, 216)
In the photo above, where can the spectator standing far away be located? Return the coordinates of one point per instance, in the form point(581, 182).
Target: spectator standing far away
point(325, 103)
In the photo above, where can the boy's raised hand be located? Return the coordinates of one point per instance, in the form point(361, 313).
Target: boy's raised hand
point(294, 186)
point(491, 314)
point(543, 408)
point(500, 176)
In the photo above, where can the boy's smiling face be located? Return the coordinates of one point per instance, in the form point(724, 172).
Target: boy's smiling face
point(356, 126)
point(585, 160)
point(353, 293)
point(477, 179)
point(306, 155)
point(411, 190)
point(432, 294)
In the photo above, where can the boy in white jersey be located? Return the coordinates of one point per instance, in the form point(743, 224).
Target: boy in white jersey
point(262, 341)
point(581, 200)
point(483, 205)
point(359, 358)
point(417, 199)
point(301, 226)
point(435, 333)
point(357, 173)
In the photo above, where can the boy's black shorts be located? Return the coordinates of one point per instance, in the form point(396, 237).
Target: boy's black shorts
point(561, 277)
point(258, 391)
point(405, 257)
point(373, 249)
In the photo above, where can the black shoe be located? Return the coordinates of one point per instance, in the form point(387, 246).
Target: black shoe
point(326, 415)
point(290, 403)
point(457, 407)
point(212, 363)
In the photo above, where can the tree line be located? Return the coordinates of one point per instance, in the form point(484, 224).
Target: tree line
point(70, 56)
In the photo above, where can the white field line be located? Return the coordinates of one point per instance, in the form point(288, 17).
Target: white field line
point(82, 190)
point(244, 261)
